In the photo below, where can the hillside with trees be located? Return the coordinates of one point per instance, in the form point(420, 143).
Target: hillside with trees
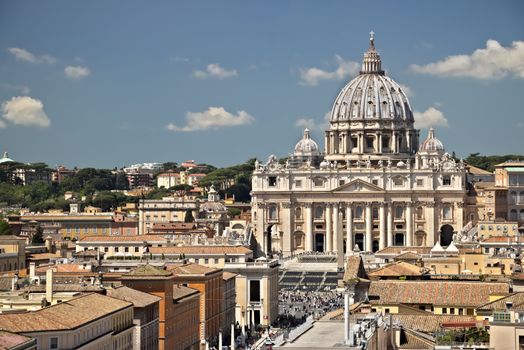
point(488, 162)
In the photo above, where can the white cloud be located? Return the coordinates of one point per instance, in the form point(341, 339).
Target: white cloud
point(215, 71)
point(430, 117)
point(23, 89)
point(313, 124)
point(493, 62)
point(76, 72)
point(2, 124)
point(24, 55)
point(212, 118)
point(26, 111)
point(313, 75)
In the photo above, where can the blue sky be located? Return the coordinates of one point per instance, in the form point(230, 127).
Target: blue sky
point(114, 83)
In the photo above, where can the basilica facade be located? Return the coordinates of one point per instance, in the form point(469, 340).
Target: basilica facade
point(373, 186)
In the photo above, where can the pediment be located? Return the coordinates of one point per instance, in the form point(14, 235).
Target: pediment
point(358, 186)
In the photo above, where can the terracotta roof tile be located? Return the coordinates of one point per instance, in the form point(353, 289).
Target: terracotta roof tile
point(399, 268)
point(147, 271)
point(112, 239)
point(190, 269)
point(428, 323)
point(517, 300)
point(201, 250)
point(181, 292)
point(70, 314)
point(441, 293)
point(138, 298)
point(10, 340)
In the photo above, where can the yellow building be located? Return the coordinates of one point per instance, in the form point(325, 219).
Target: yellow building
point(12, 253)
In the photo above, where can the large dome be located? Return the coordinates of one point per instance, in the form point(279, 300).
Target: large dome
point(372, 95)
point(371, 117)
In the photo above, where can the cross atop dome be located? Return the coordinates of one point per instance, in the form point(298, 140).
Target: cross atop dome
point(372, 63)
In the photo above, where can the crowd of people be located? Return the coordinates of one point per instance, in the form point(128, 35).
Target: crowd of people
point(300, 304)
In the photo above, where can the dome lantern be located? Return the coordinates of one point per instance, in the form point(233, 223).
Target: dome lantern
point(372, 63)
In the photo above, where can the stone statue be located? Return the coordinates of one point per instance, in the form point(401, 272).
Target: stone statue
point(257, 165)
point(308, 163)
point(380, 163)
point(389, 163)
point(368, 163)
point(408, 164)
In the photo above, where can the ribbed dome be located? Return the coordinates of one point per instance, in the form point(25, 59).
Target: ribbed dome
point(306, 146)
point(431, 144)
point(6, 159)
point(372, 95)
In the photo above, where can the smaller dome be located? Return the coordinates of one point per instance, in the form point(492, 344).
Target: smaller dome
point(324, 164)
point(431, 144)
point(306, 146)
point(6, 159)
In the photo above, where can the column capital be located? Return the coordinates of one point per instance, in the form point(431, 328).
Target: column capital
point(261, 205)
point(286, 205)
point(307, 205)
point(460, 204)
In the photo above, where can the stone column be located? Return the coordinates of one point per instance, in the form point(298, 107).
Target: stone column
point(394, 142)
point(369, 228)
point(379, 142)
point(431, 234)
point(335, 227)
point(361, 142)
point(409, 225)
point(390, 225)
point(382, 218)
point(328, 247)
point(287, 227)
point(349, 230)
point(326, 142)
point(309, 244)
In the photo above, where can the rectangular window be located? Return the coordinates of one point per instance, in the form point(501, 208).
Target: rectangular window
point(85, 229)
point(254, 290)
point(374, 182)
point(446, 180)
point(95, 229)
point(444, 310)
point(298, 183)
point(341, 182)
point(77, 229)
point(53, 343)
point(420, 182)
point(452, 310)
point(272, 181)
point(106, 249)
point(68, 230)
point(126, 249)
point(137, 249)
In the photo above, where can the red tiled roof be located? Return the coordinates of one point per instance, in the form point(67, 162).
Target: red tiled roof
point(201, 250)
point(440, 293)
point(113, 239)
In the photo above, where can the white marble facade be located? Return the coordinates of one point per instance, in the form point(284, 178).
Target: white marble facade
point(373, 187)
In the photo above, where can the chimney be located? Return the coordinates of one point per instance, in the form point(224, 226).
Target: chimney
point(49, 286)
point(32, 273)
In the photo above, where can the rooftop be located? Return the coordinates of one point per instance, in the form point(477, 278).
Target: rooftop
point(138, 298)
point(441, 293)
point(181, 292)
point(67, 315)
point(113, 239)
point(190, 269)
point(146, 272)
point(201, 250)
point(399, 268)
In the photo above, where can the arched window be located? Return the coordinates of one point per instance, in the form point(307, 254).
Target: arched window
point(298, 213)
point(319, 212)
point(399, 212)
point(513, 197)
point(521, 215)
point(447, 213)
point(359, 212)
point(420, 213)
point(513, 214)
point(273, 213)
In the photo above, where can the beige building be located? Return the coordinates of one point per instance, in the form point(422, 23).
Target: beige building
point(511, 176)
point(121, 246)
point(12, 253)
point(92, 321)
point(165, 210)
point(506, 322)
point(374, 185)
point(256, 291)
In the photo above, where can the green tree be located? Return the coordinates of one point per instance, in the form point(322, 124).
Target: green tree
point(189, 216)
point(38, 237)
point(5, 229)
